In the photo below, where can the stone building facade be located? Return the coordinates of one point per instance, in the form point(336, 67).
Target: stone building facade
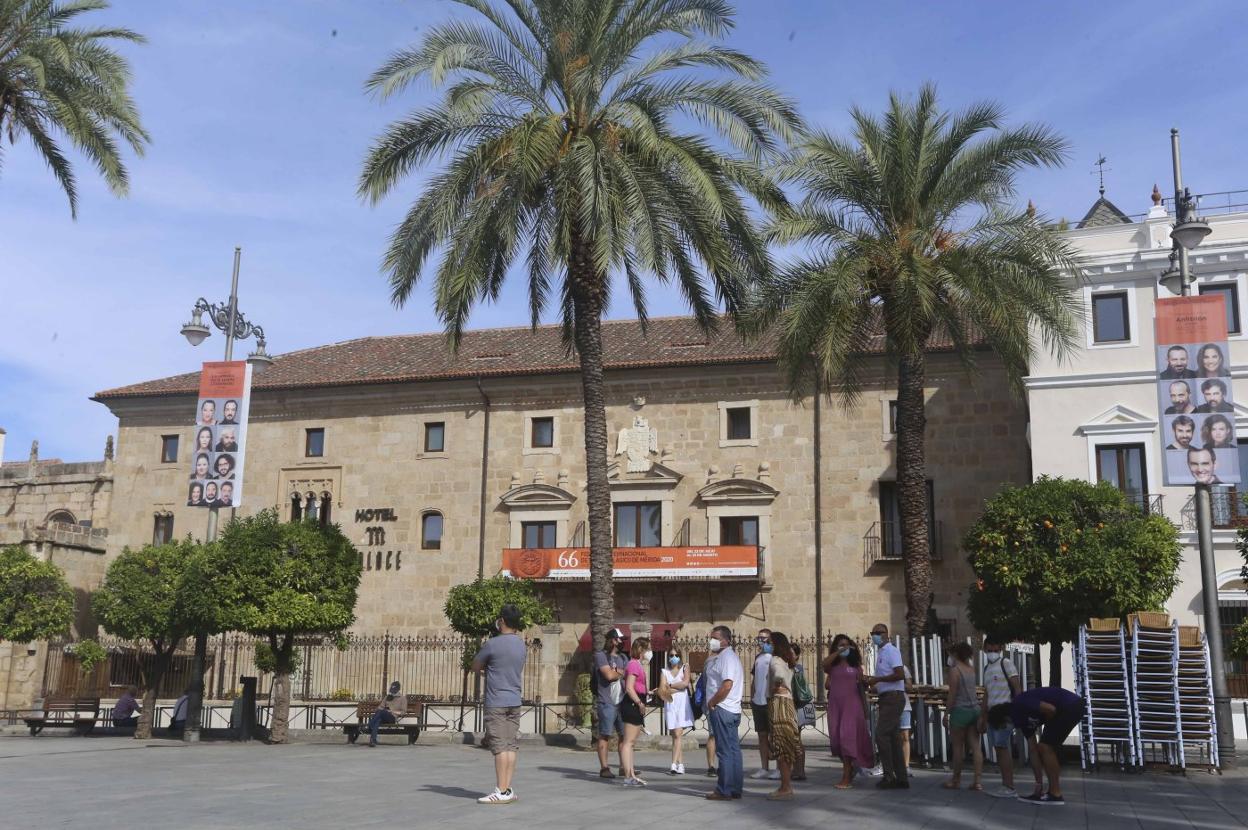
point(436, 464)
point(59, 512)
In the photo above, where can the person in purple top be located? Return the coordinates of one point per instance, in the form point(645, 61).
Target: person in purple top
point(1059, 712)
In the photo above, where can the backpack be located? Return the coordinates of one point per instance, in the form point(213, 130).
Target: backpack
point(801, 690)
point(698, 699)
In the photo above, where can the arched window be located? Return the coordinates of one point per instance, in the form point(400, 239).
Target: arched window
point(431, 530)
point(296, 508)
point(311, 507)
point(326, 503)
point(62, 517)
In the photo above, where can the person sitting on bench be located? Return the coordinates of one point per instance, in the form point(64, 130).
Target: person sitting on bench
point(177, 720)
point(126, 712)
point(389, 711)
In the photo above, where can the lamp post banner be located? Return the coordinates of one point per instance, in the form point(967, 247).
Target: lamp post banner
point(1194, 391)
point(219, 440)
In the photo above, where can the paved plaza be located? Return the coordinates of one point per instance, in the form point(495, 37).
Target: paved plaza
point(107, 783)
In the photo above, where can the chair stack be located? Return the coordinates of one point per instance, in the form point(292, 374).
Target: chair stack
point(1155, 687)
point(1101, 680)
point(1197, 720)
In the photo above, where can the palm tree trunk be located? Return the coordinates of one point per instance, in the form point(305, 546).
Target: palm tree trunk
point(587, 300)
point(912, 492)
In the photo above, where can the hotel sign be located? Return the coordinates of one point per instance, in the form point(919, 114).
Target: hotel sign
point(572, 564)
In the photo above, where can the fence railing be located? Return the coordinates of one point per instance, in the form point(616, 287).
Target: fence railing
point(428, 666)
point(882, 542)
point(1226, 505)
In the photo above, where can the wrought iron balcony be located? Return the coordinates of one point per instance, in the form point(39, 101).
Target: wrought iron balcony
point(882, 542)
point(1150, 503)
point(1228, 508)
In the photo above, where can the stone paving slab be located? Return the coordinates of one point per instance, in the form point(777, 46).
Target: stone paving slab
point(115, 783)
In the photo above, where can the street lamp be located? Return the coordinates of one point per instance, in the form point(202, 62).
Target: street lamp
point(1188, 232)
point(229, 320)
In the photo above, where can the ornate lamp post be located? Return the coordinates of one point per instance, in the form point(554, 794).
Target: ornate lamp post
point(1189, 231)
point(229, 320)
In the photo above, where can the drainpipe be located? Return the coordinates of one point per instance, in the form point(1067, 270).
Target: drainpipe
point(485, 467)
point(818, 542)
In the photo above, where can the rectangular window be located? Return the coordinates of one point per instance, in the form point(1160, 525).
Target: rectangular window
point(538, 534)
point(431, 531)
point(1122, 465)
point(890, 519)
point(543, 432)
point(435, 437)
point(739, 427)
point(892, 417)
point(1230, 291)
point(738, 530)
point(168, 449)
point(162, 530)
point(638, 525)
point(314, 443)
point(1110, 320)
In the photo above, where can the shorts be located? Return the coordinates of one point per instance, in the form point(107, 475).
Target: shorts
point(502, 725)
point(963, 717)
point(631, 713)
point(762, 723)
point(1062, 723)
point(904, 723)
point(1001, 738)
point(609, 722)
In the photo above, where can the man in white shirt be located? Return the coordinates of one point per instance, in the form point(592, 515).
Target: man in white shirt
point(890, 683)
point(758, 705)
point(725, 680)
point(1001, 684)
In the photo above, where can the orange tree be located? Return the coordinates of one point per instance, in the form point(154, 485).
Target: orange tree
point(1051, 554)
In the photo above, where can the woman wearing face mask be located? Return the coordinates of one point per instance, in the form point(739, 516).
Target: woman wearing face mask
point(633, 708)
point(784, 738)
point(848, 732)
point(677, 712)
point(962, 714)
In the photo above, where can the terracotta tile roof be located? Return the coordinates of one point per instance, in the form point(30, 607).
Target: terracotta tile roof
point(670, 341)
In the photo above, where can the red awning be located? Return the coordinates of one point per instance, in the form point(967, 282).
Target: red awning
point(660, 636)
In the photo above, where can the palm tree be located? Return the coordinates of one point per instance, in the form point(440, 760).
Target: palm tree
point(566, 145)
point(57, 81)
point(906, 231)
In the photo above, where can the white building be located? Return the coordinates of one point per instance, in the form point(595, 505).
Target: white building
point(1096, 417)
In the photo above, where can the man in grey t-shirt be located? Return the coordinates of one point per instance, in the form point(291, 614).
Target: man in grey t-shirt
point(502, 659)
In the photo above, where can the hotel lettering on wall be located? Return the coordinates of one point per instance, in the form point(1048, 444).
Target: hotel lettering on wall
point(1194, 391)
point(374, 556)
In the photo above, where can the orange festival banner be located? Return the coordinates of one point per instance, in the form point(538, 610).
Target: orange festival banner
point(708, 562)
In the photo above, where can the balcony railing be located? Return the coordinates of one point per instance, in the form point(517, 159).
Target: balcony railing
point(1150, 503)
point(882, 542)
point(1227, 506)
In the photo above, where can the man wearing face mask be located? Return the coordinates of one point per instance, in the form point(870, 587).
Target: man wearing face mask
point(890, 684)
point(725, 680)
point(758, 704)
point(1001, 681)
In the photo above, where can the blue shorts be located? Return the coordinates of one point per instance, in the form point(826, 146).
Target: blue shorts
point(609, 721)
point(904, 723)
point(1001, 738)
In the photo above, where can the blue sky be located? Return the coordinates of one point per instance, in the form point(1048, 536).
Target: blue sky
point(259, 123)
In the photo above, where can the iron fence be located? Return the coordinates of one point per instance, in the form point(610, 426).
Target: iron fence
point(430, 667)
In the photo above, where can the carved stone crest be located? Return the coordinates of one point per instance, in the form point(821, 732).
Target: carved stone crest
point(637, 442)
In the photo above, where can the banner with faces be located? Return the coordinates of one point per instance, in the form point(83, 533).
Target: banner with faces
point(219, 439)
point(1194, 392)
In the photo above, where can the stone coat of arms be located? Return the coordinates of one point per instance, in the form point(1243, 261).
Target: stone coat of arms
point(637, 442)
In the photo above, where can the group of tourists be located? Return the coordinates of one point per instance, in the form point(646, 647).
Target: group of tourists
point(780, 701)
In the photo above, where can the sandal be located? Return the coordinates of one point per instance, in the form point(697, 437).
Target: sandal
point(979, 788)
point(841, 785)
point(952, 785)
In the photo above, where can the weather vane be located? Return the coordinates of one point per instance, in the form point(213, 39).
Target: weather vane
point(1101, 161)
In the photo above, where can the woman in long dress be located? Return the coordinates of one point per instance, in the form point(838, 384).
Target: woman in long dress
point(677, 712)
point(783, 739)
point(848, 732)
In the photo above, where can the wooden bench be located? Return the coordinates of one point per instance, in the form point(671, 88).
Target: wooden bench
point(408, 724)
point(78, 713)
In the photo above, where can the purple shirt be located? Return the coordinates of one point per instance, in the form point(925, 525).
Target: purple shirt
point(1025, 709)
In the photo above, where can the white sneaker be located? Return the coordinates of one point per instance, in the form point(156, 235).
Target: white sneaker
point(498, 797)
point(774, 775)
point(875, 771)
point(673, 771)
point(680, 769)
point(1004, 792)
point(632, 782)
point(759, 774)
